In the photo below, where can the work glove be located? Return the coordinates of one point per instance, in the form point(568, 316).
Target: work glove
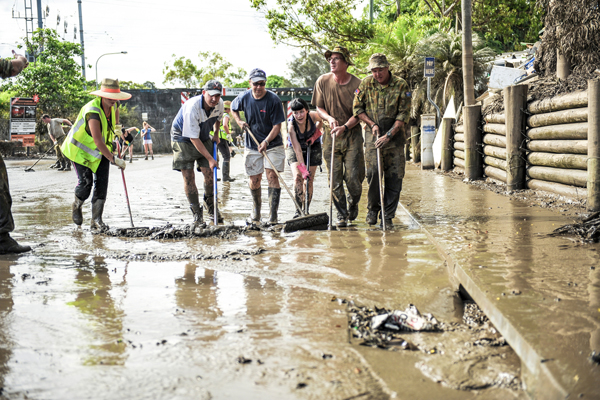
point(303, 171)
point(314, 137)
point(118, 130)
point(120, 163)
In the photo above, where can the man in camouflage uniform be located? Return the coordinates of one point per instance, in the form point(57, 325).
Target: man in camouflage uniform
point(382, 102)
point(57, 135)
point(8, 68)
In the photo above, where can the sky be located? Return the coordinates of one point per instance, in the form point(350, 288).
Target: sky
point(151, 31)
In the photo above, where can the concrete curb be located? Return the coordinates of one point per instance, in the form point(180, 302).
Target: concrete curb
point(538, 379)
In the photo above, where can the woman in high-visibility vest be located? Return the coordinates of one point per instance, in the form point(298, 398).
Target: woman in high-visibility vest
point(89, 145)
point(223, 146)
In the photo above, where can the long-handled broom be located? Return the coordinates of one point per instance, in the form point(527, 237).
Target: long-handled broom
point(30, 169)
point(216, 207)
point(312, 222)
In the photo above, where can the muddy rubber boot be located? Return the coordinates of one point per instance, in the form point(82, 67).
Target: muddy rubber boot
point(274, 195)
point(130, 159)
point(146, 157)
point(9, 245)
point(62, 165)
point(67, 165)
point(97, 211)
point(152, 156)
point(301, 203)
point(226, 177)
point(209, 204)
point(256, 202)
point(77, 212)
point(56, 164)
point(198, 219)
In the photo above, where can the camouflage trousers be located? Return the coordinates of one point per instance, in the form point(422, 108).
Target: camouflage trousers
point(392, 165)
point(59, 155)
point(348, 167)
point(6, 220)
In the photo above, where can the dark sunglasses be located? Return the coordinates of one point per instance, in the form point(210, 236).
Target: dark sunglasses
point(261, 83)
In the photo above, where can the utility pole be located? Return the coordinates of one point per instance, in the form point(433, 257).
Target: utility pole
point(40, 21)
point(81, 40)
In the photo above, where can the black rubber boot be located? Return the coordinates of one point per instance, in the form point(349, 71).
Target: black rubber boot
point(299, 201)
point(226, 177)
point(209, 203)
point(97, 211)
point(256, 202)
point(198, 219)
point(77, 212)
point(9, 245)
point(274, 195)
point(61, 165)
point(56, 164)
point(66, 165)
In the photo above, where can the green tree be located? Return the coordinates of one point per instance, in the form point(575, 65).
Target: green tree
point(276, 81)
point(307, 67)
point(132, 85)
point(320, 24)
point(213, 66)
point(55, 76)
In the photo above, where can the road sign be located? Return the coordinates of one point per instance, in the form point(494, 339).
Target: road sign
point(429, 67)
point(22, 120)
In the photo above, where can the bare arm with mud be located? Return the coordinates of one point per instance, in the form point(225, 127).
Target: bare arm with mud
point(217, 128)
point(274, 132)
point(296, 145)
point(242, 124)
point(96, 131)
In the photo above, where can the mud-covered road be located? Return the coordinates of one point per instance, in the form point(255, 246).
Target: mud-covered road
point(253, 316)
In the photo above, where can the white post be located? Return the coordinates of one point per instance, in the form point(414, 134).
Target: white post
point(427, 138)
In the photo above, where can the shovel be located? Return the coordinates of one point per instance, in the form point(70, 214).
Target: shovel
point(317, 221)
point(215, 211)
point(30, 169)
point(381, 189)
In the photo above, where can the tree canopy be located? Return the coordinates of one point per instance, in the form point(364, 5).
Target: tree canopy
point(307, 67)
point(182, 70)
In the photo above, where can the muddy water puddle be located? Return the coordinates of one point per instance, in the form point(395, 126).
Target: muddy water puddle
point(100, 316)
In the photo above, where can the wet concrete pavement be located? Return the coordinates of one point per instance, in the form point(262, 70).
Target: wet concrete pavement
point(542, 293)
point(92, 316)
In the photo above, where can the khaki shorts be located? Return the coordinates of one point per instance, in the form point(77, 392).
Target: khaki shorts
point(185, 154)
point(256, 164)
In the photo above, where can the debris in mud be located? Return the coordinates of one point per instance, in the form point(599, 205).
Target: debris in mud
point(378, 327)
point(233, 255)
point(171, 232)
point(243, 360)
point(467, 355)
point(587, 231)
point(595, 357)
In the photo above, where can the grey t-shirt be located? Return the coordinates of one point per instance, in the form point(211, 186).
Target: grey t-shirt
point(55, 128)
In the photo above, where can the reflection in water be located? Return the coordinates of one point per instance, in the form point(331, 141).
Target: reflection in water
point(105, 320)
point(6, 307)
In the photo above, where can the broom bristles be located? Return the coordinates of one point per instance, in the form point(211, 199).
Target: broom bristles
point(308, 222)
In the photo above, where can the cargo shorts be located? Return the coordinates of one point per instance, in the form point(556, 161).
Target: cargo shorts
point(255, 163)
point(185, 154)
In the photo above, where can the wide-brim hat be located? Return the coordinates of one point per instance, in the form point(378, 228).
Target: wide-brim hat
point(109, 88)
point(378, 60)
point(340, 50)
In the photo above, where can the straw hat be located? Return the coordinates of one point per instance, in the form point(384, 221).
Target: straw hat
point(109, 88)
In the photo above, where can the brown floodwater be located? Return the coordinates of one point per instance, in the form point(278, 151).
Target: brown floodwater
point(251, 316)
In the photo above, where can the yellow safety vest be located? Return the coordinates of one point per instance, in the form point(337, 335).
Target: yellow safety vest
point(79, 146)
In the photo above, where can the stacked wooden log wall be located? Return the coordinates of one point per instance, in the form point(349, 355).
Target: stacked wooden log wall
point(557, 147)
point(494, 146)
point(459, 148)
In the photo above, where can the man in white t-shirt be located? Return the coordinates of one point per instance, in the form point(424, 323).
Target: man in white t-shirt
point(192, 144)
point(57, 135)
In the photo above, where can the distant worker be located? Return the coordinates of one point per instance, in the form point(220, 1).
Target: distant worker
point(192, 144)
point(89, 145)
point(382, 102)
point(264, 115)
point(57, 135)
point(303, 132)
point(333, 96)
point(147, 139)
point(9, 68)
point(126, 141)
point(223, 146)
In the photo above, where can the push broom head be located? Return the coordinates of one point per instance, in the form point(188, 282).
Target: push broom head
point(314, 222)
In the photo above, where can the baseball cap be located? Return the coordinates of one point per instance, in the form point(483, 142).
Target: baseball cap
point(257, 75)
point(213, 87)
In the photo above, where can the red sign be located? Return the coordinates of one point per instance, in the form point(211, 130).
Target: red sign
point(27, 140)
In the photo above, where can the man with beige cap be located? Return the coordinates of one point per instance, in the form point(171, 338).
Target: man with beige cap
point(333, 96)
point(382, 102)
point(89, 145)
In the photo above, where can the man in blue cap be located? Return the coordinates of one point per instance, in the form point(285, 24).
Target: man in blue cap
point(192, 144)
point(264, 115)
